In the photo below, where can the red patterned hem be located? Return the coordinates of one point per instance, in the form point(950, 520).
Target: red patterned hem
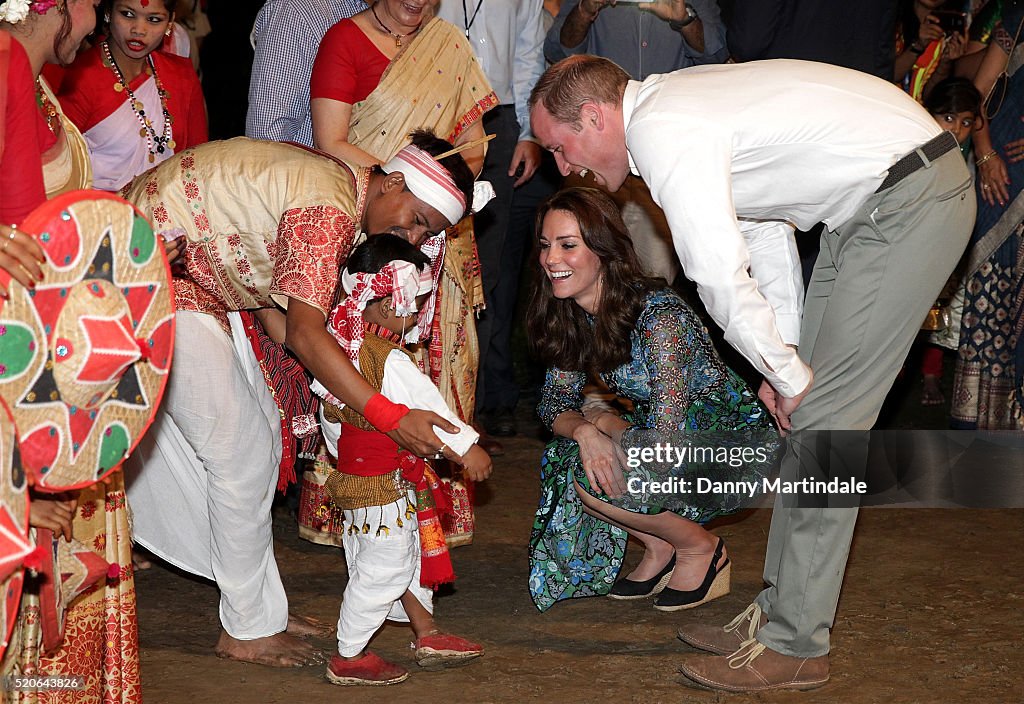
point(486, 103)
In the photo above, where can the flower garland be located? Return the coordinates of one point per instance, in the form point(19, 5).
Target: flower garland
point(14, 11)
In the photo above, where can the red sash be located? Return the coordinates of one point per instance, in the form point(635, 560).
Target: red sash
point(368, 453)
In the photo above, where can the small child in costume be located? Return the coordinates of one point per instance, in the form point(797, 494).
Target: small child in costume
point(392, 500)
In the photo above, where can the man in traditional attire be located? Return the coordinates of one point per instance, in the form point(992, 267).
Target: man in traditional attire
point(263, 224)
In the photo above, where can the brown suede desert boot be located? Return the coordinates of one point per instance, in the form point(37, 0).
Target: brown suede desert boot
point(724, 640)
point(755, 668)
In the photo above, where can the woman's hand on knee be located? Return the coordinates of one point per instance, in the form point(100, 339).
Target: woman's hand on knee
point(600, 459)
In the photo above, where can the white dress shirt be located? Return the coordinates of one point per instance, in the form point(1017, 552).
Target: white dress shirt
point(508, 38)
point(737, 154)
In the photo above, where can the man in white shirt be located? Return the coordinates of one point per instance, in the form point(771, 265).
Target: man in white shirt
point(508, 39)
point(737, 155)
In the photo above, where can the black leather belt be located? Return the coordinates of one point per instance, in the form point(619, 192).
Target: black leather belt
point(933, 149)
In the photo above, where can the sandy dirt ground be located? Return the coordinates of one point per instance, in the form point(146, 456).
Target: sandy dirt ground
point(930, 612)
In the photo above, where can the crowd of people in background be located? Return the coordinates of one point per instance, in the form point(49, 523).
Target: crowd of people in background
point(380, 174)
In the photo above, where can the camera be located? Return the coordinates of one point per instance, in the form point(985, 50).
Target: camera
point(951, 21)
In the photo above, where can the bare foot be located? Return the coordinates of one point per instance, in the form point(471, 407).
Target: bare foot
point(278, 650)
point(309, 627)
point(931, 391)
point(139, 560)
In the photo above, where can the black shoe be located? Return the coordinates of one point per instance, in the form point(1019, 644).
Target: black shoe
point(631, 589)
point(716, 583)
point(501, 423)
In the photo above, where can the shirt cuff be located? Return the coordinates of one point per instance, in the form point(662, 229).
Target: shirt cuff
point(792, 379)
point(459, 442)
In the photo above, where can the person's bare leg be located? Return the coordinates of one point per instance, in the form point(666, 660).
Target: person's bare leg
point(140, 559)
point(694, 546)
point(278, 650)
point(420, 620)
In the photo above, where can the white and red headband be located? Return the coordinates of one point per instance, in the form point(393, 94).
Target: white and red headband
point(429, 181)
point(401, 280)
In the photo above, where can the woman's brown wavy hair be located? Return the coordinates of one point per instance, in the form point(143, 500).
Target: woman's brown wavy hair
point(559, 331)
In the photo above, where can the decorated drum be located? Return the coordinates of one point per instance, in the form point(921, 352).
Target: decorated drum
point(84, 355)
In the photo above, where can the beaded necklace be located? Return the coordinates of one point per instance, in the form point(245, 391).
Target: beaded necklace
point(48, 108)
point(397, 37)
point(156, 143)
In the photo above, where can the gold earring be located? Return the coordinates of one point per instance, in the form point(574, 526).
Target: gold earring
point(170, 30)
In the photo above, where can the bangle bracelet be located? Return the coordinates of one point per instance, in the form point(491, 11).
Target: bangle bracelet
point(916, 48)
point(985, 158)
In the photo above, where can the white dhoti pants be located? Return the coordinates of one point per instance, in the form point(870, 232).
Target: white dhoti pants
point(380, 570)
point(202, 481)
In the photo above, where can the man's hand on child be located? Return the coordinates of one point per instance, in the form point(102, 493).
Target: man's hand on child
point(476, 464)
point(415, 432)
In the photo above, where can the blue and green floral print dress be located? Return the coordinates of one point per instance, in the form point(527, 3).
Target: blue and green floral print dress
point(683, 395)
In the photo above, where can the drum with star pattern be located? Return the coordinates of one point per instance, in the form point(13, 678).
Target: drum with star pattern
point(84, 356)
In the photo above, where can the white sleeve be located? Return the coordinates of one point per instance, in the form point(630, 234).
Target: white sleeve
point(332, 433)
point(405, 383)
point(775, 266)
point(528, 61)
point(689, 171)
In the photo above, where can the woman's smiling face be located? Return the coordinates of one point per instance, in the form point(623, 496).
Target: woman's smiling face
point(571, 266)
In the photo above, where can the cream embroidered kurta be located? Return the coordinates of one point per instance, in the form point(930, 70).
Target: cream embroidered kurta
point(264, 221)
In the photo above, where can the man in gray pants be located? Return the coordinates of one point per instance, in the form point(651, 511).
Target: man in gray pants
point(737, 155)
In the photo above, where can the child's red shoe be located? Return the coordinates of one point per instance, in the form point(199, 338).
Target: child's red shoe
point(445, 650)
point(369, 670)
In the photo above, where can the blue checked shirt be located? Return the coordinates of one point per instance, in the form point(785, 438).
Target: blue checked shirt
point(286, 38)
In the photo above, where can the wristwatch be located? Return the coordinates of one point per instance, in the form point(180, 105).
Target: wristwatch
point(691, 17)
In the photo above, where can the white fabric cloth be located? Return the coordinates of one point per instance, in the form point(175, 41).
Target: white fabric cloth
point(405, 383)
point(380, 570)
point(508, 39)
point(738, 154)
point(117, 159)
point(202, 481)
